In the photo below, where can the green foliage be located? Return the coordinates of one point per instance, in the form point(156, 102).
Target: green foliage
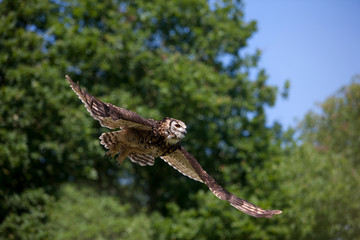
point(332, 153)
point(26, 215)
point(318, 176)
point(322, 202)
point(160, 58)
point(337, 128)
point(81, 213)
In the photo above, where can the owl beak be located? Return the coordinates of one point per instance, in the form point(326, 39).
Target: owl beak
point(184, 132)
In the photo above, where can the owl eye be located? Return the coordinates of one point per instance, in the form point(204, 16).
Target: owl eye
point(177, 125)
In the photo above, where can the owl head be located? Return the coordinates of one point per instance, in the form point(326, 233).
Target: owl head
point(176, 130)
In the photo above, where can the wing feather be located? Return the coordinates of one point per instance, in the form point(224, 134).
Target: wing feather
point(109, 115)
point(178, 161)
point(142, 159)
point(220, 192)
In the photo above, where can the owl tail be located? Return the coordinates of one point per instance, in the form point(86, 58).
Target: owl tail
point(111, 141)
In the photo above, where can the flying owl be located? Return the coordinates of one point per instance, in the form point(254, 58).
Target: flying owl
point(142, 140)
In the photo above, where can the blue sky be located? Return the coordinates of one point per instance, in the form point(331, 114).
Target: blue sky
point(315, 44)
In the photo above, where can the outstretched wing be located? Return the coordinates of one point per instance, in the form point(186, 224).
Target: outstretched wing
point(193, 169)
point(108, 115)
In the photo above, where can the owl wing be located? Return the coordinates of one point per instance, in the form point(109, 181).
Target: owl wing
point(109, 115)
point(185, 163)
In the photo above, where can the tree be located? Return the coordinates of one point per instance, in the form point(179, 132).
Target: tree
point(333, 136)
point(97, 216)
point(318, 175)
point(159, 59)
point(337, 127)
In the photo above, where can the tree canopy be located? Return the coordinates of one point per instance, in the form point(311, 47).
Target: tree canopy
point(183, 59)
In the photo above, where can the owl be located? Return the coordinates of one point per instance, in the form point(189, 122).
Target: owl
point(142, 140)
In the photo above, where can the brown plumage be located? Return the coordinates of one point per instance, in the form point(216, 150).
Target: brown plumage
point(142, 140)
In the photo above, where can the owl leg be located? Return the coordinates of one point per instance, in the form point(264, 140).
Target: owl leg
point(111, 153)
point(122, 155)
